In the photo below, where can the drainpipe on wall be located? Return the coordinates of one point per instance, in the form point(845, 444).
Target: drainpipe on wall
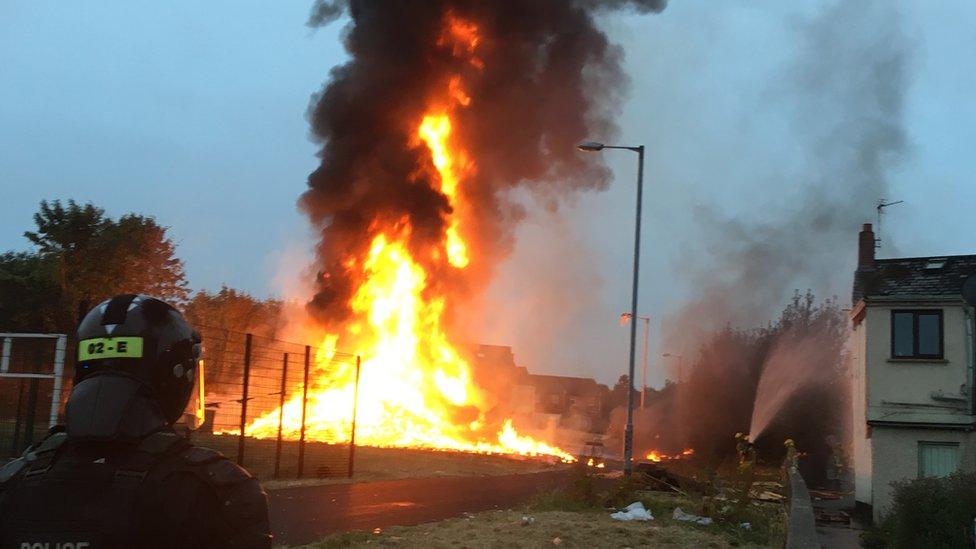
point(970, 377)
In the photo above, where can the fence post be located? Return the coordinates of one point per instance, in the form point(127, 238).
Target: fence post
point(355, 404)
point(15, 443)
point(59, 351)
point(281, 413)
point(247, 377)
point(31, 410)
point(301, 438)
point(32, 401)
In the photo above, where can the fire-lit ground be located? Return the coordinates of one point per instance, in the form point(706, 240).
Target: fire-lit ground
point(548, 529)
point(371, 464)
point(551, 518)
point(555, 502)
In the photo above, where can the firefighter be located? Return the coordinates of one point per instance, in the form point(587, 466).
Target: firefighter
point(116, 474)
point(745, 451)
point(791, 455)
point(746, 468)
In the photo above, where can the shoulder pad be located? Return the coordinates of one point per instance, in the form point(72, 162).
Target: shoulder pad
point(11, 469)
point(49, 444)
point(224, 472)
point(52, 442)
point(244, 509)
point(158, 443)
point(198, 455)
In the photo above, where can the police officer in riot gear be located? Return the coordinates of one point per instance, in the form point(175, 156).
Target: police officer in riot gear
point(116, 474)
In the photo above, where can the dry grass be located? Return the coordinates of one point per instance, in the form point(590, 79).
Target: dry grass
point(328, 463)
point(373, 464)
point(504, 529)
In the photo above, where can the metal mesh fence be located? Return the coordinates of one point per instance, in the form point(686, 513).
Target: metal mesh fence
point(280, 409)
point(31, 388)
point(259, 412)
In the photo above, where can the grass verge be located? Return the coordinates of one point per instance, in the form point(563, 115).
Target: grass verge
point(577, 515)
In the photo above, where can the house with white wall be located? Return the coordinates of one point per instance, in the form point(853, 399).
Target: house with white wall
point(911, 347)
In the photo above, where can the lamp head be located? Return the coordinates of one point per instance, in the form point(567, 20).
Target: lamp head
point(590, 146)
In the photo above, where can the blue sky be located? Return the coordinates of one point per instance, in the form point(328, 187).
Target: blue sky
point(194, 113)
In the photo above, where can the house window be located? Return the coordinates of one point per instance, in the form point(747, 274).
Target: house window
point(916, 334)
point(937, 459)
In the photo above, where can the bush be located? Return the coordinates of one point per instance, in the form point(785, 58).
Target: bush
point(929, 512)
point(578, 495)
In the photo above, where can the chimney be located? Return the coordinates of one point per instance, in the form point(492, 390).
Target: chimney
point(865, 263)
point(865, 247)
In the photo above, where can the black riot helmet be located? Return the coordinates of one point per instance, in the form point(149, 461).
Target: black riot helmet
point(137, 356)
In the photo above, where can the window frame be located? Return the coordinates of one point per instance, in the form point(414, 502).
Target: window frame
point(932, 443)
point(915, 339)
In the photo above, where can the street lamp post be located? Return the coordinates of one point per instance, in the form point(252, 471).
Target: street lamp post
point(591, 146)
point(625, 317)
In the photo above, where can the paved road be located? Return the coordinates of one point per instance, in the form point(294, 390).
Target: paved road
point(306, 514)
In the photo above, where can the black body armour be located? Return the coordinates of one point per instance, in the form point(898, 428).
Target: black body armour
point(118, 476)
point(159, 491)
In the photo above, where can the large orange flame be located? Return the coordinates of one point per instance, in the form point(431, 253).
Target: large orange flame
point(416, 389)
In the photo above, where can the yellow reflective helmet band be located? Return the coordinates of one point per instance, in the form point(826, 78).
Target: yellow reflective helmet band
point(98, 348)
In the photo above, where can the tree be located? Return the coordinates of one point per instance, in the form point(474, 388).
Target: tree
point(223, 318)
point(800, 354)
point(29, 296)
point(617, 397)
point(83, 257)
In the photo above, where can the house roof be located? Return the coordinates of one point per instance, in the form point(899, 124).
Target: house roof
point(934, 276)
point(494, 354)
point(578, 386)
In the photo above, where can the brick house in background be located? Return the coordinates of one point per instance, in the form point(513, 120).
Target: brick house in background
point(912, 353)
point(577, 400)
point(575, 403)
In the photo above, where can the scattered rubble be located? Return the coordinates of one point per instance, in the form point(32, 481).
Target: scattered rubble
point(767, 496)
point(634, 511)
point(688, 517)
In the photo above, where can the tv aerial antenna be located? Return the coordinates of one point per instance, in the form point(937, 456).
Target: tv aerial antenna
point(880, 206)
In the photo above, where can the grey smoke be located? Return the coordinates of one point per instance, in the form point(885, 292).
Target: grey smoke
point(845, 93)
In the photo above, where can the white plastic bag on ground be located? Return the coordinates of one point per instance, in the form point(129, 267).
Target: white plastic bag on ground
point(687, 517)
point(634, 511)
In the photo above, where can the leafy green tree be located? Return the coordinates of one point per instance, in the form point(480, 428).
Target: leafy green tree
point(83, 257)
point(29, 297)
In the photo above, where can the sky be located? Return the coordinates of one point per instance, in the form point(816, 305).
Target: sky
point(194, 113)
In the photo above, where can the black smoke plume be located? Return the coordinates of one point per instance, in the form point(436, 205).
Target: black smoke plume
point(548, 76)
